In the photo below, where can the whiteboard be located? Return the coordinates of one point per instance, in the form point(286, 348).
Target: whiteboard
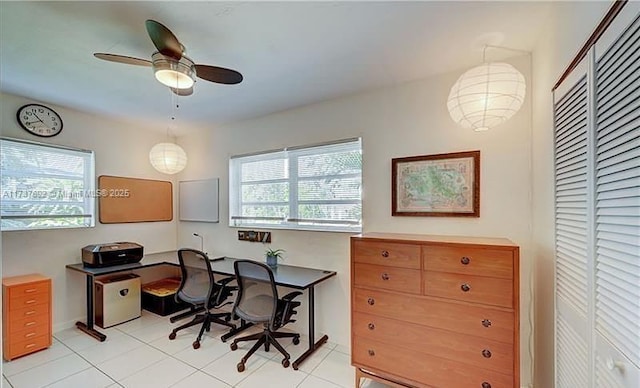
point(198, 200)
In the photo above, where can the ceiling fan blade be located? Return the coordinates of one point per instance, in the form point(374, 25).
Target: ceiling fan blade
point(122, 59)
point(218, 74)
point(164, 40)
point(182, 92)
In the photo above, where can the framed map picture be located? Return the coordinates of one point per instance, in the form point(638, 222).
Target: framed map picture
point(443, 185)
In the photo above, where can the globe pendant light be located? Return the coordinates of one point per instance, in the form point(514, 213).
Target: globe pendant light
point(486, 96)
point(168, 158)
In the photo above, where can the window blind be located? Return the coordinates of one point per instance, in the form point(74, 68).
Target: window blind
point(312, 187)
point(45, 186)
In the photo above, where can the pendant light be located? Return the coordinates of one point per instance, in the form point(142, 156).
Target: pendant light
point(486, 96)
point(168, 158)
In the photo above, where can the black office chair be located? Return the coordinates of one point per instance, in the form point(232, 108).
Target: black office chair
point(257, 302)
point(200, 289)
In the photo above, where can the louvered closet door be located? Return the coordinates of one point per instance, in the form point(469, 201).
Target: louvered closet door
point(572, 331)
point(617, 202)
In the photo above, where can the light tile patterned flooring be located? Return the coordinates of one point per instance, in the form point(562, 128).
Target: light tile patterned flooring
point(138, 354)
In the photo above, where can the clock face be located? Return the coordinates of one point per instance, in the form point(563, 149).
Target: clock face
point(39, 120)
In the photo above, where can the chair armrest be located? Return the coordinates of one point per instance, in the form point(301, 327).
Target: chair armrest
point(289, 297)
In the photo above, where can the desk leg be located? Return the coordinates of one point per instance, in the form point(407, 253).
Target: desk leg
point(313, 345)
point(244, 325)
point(88, 327)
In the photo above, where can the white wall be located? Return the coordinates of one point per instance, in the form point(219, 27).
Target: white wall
point(121, 149)
point(405, 120)
point(568, 28)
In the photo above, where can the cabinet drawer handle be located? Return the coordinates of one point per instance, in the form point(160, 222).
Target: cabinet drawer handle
point(30, 312)
point(29, 335)
point(371, 301)
point(486, 385)
point(465, 260)
point(32, 301)
point(371, 326)
point(371, 352)
point(385, 276)
point(385, 253)
point(29, 323)
point(30, 290)
point(486, 353)
point(29, 346)
point(465, 287)
point(486, 322)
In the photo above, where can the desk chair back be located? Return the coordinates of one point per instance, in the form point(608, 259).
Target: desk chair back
point(257, 298)
point(197, 276)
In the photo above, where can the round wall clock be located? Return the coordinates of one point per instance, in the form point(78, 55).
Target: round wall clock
point(39, 120)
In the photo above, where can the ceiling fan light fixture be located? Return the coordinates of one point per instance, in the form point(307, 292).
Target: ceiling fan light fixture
point(178, 74)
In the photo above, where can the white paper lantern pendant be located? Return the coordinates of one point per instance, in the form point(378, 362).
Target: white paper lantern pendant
point(168, 158)
point(486, 96)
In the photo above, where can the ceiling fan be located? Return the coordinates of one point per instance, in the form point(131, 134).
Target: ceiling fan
point(171, 67)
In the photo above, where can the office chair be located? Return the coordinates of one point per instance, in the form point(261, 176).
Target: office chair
point(200, 289)
point(257, 302)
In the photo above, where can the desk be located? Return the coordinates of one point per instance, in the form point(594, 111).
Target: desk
point(300, 278)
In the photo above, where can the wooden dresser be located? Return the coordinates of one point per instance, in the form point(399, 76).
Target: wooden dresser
point(26, 314)
point(435, 311)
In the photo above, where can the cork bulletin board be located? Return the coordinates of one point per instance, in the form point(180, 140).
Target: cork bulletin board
point(124, 200)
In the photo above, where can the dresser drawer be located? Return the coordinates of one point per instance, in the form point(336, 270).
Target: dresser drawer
point(28, 312)
point(384, 253)
point(465, 349)
point(29, 289)
point(468, 288)
point(424, 368)
point(22, 302)
point(15, 325)
point(28, 333)
point(488, 322)
point(470, 261)
point(387, 278)
point(20, 348)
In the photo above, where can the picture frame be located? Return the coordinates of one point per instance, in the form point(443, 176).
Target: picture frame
point(441, 185)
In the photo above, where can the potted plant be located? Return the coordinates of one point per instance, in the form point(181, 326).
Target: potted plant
point(272, 256)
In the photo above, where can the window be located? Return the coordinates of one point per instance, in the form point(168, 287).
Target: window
point(46, 186)
point(309, 188)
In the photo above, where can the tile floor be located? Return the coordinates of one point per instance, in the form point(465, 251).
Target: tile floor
point(139, 354)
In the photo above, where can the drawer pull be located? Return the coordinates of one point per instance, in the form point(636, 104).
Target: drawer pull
point(465, 260)
point(29, 323)
point(486, 385)
point(29, 335)
point(30, 290)
point(32, 301)
point(486, 353)
point(371, 326)
point(371, 301)
point(385, 253)
point(385, 276)
point(465, 287)
point(29, 346)
point(486, 322)
point(371, 352)
point(30, 312)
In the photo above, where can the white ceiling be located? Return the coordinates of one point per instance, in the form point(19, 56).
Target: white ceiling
point(290, 53)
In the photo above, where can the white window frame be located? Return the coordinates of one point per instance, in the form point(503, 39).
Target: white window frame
point(10, 195)
point(292, 221)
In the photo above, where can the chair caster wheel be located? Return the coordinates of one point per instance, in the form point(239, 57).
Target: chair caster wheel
point(234, 346)
point(296, 340)
point(241, 367)
point(285, 363)
point(196, 345)
point(172, 336)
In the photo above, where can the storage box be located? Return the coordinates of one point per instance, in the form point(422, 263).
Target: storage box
point(159, 297)
point(117, 299)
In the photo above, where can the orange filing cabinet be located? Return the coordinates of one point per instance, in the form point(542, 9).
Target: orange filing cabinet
point(26, 312)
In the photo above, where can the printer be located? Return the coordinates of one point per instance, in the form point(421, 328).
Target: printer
point(105, 255)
